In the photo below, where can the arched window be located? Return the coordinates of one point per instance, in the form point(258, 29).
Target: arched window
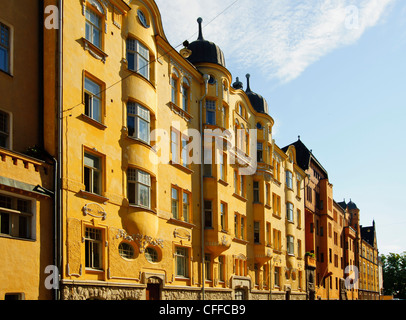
point(174, 86)
point(185, 94)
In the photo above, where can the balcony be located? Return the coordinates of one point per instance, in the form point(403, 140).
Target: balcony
point(217, 242)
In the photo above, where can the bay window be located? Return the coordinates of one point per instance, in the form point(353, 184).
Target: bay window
point(138, 122)
point(138, 58)
point(139, 187)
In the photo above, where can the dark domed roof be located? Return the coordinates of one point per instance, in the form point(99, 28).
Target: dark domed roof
point(205, 51)
point(257, 101)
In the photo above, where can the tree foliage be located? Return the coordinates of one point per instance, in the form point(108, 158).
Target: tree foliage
point(394, 274)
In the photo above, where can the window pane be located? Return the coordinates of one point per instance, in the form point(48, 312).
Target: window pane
point(92, 87)
point(96, 111)
point(4, 223)
point(175, 201)
point(96, 37)
point(143, 195)
point(186, 207)
point(23, 227)
point(88, 31)
point(131, 126)
point(87, 179)
point(143, 130)
point(3, 59)
point(131, 61)
point(143, 67)
point(131, 193)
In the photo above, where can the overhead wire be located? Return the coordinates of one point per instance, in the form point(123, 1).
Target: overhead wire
point(131, 72)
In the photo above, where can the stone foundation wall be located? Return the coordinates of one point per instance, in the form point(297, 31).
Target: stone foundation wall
point(77, 292)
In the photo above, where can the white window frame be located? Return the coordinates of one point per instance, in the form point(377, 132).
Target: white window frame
point(93, 248)
point(181, 262)
point(139, 115)
point(93, 99)
point(139, 179)
point(94, 172)
point(289, 179)
point(14, 211)
point(290, 245)
point(91, 26)
point(138, 58)
point(289, 211)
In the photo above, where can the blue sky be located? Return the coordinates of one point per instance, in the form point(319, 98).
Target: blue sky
point(333, 72)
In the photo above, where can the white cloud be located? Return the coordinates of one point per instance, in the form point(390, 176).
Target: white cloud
point(281, 38)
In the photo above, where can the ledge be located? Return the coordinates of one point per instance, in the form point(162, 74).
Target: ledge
point(93, 196)
point(181, 167)
point(93, 122)
point(181, 223)
point(242, 241)
point(239, 197)
point(94, 51)
point(179, 111)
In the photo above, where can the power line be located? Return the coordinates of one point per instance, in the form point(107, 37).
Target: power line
point(131, 72)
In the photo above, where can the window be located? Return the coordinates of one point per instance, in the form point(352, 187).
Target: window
point(277, 276)
point(151, 255)
point(93, 100)
point(175, 146)
point(207, 266)
point(4, 48)
point(267, 194)
point(174, 87)
point(181, 262)
point(276, 204)
point(179, 148)
point(138, 57)
point(93, 248)
point(239, 226)
point(256, 232)
point(299, 219)
point(126, 250)
point(211, 112)
point(299, 248)
point(178, 212)
point(242, 228)
point(221, 268)
point(175, 203)
point(289, 211)
point(289, 180)
point(223, 166)
point(260, 153)
point(4, 130)
point(14, 296)
point(268, 234)
point(92, 173)
point(208, 214)
point(185, 95)
point(16, 217)
point(290, 245)
point(242, 186)
point(139, 187)
point(138, 122)
point(93, 28)
point(186, 206)
point(239, 294)
point(277, 240)
point(256, 191)
point(223, 216)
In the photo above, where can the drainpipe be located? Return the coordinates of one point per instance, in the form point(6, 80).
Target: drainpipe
point(58, 213)
point(206, 80)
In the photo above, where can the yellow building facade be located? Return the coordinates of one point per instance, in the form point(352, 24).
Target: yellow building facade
point(26, 171)
point(142, 217)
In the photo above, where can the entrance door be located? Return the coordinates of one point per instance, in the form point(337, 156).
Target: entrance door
point(153, 291)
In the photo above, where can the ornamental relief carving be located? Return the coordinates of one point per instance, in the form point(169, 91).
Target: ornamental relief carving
point(142, 241)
